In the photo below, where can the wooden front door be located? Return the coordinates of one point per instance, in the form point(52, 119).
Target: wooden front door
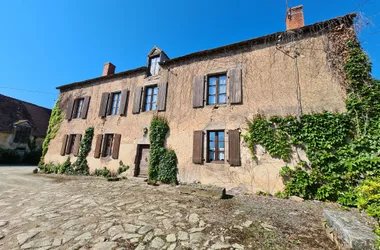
point(143, 160)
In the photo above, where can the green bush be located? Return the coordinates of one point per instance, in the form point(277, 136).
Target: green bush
point(66, 167)
point(123, 168)
point(103, 172)
point(368, 194)
point(51, 168)
point(168, 167)
point(9, 156)
point(32, 157)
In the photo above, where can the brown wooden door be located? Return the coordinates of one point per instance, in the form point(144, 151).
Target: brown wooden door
point(144, 161)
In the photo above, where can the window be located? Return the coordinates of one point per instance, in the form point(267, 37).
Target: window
point(107, 146)
point(71, 144)
point(79, 106)
point(216, 89)
point(151, 98)
point(154, 66)
point(115, 108)
point(22, 134)
point(215, 143)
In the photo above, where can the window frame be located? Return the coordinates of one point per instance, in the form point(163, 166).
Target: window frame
point(146, 89)
point(217, 150)
point(118, 103)
point(217, 84)
point(154, 66)
point(107, 150)
point(78, 104)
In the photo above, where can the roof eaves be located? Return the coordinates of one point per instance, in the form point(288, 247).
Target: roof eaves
point(263, 39)
point(101, 78)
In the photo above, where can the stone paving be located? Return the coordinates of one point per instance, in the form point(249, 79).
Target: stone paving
point(64, 212)
point(39, 212)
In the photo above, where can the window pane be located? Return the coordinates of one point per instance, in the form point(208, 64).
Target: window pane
point(211, 155)
point(222, 80)
point(155, 90)
point(212, 90)
point(212, 136)
point(155, 98)
point(221, 136)
point(113, 111)
point(148, 98)
point(153, 106)
point(149, 91)
point(221, 156)
point(212, 81)
point(212, 146)
point(222, 88)
point(147, 107)
point(211, 100)
point(221, 145)
point(222, 98)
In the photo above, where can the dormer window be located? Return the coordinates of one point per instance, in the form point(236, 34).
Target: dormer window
point(154, 66)
point(155, 57)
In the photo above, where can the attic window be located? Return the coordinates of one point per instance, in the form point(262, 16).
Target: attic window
point(154, 67)
point(22, 134)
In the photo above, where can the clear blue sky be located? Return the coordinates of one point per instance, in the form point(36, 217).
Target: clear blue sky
point(45, 44)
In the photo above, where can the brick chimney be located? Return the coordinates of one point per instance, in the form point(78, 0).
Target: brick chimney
point(294, 18)
point(109, 69)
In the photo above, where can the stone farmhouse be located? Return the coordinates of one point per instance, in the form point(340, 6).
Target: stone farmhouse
point(207, 97)
point(20, 122)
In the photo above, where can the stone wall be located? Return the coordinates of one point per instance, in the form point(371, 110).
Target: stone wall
point(269, 87)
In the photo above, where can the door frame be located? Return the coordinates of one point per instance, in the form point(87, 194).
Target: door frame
point(139, 149)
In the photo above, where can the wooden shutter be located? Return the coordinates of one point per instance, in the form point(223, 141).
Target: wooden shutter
point(198, 91)
point(103, 104)
point(69, 112)
point(116, 146)
point(234, 147)
point(68, 146)
point(124, 102)
point(198, 147)
point(86, 104)
point(161, 100)
point(98, 145)
point(235, 86)
point(137, 100)
point(64, 143)
point(78, 138)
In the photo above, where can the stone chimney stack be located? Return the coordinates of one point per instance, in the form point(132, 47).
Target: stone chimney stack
point(109, 69)
point(294, 18)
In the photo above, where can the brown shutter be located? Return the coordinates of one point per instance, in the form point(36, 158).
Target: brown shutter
point(137, 100)
point(109, 104)
point(64, 143)
point(98, 145)
point(161, 100)
point(103, 104)
point(234, 147)
point(198, 91)
point(116, 146)
point(235, 93)
point(86, 104)
point(69, 112)
point(198, 147)
point(78, 138)
point(124, 102)
point(68, 146)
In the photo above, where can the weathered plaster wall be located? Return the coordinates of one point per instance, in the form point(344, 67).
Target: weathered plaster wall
point(6, 141)
point(269, 87)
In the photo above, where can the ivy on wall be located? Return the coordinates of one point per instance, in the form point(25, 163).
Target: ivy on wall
point(343, 148)
point(80, 165)
point(55, 121)
point(162, 162)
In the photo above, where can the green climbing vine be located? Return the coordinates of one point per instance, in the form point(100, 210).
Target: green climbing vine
point(162, 162)
point(55, 121)
point(80, 165)
point(343, 148)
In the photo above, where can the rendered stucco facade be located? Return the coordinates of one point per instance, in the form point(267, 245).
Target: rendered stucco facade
point(269, 87)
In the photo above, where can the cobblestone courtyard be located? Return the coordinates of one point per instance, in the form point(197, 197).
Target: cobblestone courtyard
point(54, 212)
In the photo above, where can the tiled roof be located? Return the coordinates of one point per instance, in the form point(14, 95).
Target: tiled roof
point(13, 110)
